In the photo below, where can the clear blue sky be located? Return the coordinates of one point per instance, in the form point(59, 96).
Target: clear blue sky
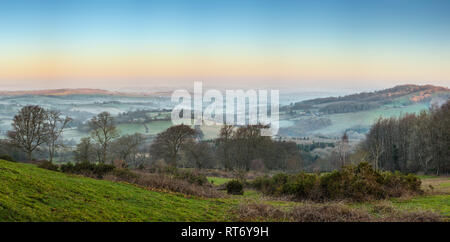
point(289, 42)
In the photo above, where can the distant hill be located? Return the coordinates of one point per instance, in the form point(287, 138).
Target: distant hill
point(78, 91)
point(401, 95)
point(355, 113)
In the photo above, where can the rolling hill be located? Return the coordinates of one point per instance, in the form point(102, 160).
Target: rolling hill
point(78, 91)
point(29, 193)
point(355, 113)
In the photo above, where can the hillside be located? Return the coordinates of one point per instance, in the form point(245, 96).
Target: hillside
point(332, 116)
point(78, 91)
point(28, 193)
point(371, 100)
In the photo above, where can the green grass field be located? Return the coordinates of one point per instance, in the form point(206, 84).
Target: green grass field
point(29, 193)
point(343, 121)
point(154, 127)
point(218, 180)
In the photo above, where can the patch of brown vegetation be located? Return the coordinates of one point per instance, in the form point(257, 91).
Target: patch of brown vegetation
point(163, 182)
point(389, 213)
point(435, 186)
point(329, 212)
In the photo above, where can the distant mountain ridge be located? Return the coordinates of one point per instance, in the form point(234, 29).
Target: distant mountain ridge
point(78, 91)
point(399, 95)
point(389, 93)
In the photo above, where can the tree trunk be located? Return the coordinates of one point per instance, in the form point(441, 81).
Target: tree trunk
point(29, 153)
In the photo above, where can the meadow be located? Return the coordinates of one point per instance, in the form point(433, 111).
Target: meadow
point(29, 193)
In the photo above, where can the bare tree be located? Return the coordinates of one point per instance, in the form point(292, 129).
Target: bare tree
point(104, 132)
point(343, 149)
point(30, 129)
point(126, 148)
point(224, 145)
point(168, 143)
point(56, 125)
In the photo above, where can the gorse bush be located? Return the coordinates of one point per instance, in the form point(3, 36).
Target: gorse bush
point(191, 176)
point(302, 185)
point(163, 182)
point(6, 157)
point(328, 212)
point(45, 164)
point(358, 183)
point(354, 182)
point(235, 187)
point(88, 169)
point(124, 173)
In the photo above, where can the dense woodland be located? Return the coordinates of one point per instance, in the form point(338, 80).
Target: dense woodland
point(412, 142)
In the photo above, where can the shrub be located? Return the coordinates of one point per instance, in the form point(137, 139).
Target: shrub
point(358, 183)
point(397, 184)
point(191, 176)
point(6, 157)
point(48, 165)
point(67, 168)
point(235, 187)
point(88, 169)
point(164, 182)
point(263, 184)
point(124, 173)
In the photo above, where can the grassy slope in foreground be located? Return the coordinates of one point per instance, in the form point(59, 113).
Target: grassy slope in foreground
point(28, 193)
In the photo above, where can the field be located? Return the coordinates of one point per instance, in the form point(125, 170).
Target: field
point(342, 121)
point(28, 193)
point(218, 180)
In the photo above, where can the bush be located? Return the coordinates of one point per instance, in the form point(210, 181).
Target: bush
point(164, 182)
point(48, 165)
point(357, 183)
point(235, 187)
point(6, 157)
point(193, 177)
point(67, 168)
point(88, 169)
point(397, 184)
point(124, 173)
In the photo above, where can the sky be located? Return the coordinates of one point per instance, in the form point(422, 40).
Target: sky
point(311, 45)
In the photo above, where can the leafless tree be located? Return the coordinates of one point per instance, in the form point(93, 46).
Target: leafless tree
point(225, 145)
point(30, 129)
point(104, 132)
point(56, 125)
point(126, 148)
point(343, 149)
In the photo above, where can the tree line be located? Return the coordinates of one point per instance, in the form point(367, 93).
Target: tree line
point(411, 143)
point(236, 148)
point(243, 148)
point(35, 129)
